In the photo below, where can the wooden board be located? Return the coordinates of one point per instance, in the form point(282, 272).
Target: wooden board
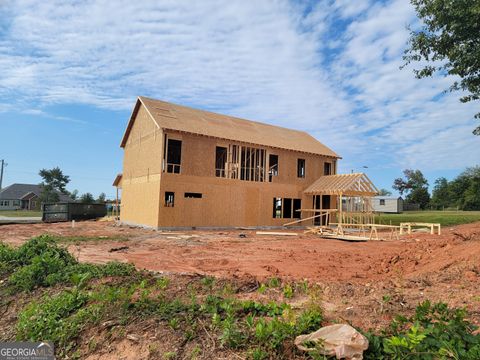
point(275, 233)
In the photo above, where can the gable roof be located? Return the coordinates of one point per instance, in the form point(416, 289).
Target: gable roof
point(346, 184)
point(18, 191)
point(184, 119)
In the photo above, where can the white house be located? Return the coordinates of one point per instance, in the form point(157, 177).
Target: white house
point(387, 204)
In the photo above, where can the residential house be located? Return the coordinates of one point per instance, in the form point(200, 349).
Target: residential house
point(184, 167)
point(23, 197)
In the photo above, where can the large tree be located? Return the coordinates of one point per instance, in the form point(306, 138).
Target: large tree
point(384, 192)
point(465, 189)
point(87, 198)
point(441, 197)
point(414, 186)
point(54, 182)
point(74, 195)
point(102, 198)
point(449, 42)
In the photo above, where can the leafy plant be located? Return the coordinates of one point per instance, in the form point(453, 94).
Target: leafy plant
point(163, 283)
point(288, 291)
point(262, 288)
point(309, 320)
point(433, 332)
point(274, 282)
point(57, 319)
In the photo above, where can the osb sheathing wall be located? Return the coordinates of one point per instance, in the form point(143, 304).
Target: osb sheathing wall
point(230, 202)
point(142, 166)
point(224, 202)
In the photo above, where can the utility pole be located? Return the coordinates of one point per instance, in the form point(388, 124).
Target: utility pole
point(2, 165)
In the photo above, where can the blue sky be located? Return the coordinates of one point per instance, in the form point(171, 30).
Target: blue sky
point(70, 72)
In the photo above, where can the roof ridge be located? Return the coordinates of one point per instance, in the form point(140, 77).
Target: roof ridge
point(228, 127)
point(232, 116)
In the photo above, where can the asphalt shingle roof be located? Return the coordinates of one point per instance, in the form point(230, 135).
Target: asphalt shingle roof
point(17, 191)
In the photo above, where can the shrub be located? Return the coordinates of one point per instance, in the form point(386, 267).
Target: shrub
point(433, 332)
point(7, 259)
point(36, 261)
point(38, 272)
point(57, 319)
point(39, 246)
point(41, 262)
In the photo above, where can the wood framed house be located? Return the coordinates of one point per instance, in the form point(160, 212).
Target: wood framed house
point(184, 167)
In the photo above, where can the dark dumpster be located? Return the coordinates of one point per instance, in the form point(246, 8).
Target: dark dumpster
point(72, 211)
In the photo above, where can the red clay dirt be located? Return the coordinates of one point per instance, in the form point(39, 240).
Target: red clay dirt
point(357, 278)
point(225, 253)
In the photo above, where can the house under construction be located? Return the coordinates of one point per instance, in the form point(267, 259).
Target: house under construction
point(184, 167)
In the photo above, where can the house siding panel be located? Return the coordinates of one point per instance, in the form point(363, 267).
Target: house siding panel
point(224, 202)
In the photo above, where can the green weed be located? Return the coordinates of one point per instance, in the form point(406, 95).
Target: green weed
point(433, 332)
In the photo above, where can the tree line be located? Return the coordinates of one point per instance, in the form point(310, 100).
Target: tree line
point(463, 192)
point(55, 182)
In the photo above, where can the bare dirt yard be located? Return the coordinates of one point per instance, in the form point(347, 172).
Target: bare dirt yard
point(363, 283)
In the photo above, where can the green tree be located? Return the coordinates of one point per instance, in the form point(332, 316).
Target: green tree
point(74, 195)
point(449, 42)
point(415, 186)
point(54, 182)
point(87, 198)
point(468, 185)
point(384, 192)
point(101, 198)
point(441, 196)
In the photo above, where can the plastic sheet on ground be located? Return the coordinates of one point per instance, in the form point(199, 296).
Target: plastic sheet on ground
point(339, 340)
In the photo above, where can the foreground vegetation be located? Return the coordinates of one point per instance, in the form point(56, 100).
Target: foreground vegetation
point(445, 218)
point(66, 299)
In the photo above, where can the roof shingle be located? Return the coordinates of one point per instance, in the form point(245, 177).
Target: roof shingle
point(17, 191)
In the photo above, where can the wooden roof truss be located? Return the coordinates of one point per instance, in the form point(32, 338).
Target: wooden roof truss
point(357, 184)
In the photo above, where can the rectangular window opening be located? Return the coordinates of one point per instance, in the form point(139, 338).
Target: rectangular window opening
point(277, 208)
point(327, 168)
point(287, 208)
point(192, 195)
point(297, 205)
point(273, 166)
point(220, 161)
point(174, 156)
point(169, 198)
point(301, 168)
point(382, 201)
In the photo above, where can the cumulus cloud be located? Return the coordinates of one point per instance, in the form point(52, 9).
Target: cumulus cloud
point(331, 68)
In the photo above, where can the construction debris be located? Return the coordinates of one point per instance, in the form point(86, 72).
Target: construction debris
point(340, 340)
point(408, 226)
point(276, 233)
point(121, 248)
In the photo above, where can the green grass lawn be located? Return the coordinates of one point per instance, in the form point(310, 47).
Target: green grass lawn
point(445, 218)
point(21, 213)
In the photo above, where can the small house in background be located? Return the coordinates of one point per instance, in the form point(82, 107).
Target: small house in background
point(387, 204)
point(23, 197)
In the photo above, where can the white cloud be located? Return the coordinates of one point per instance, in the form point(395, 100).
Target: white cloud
point(267, 60)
